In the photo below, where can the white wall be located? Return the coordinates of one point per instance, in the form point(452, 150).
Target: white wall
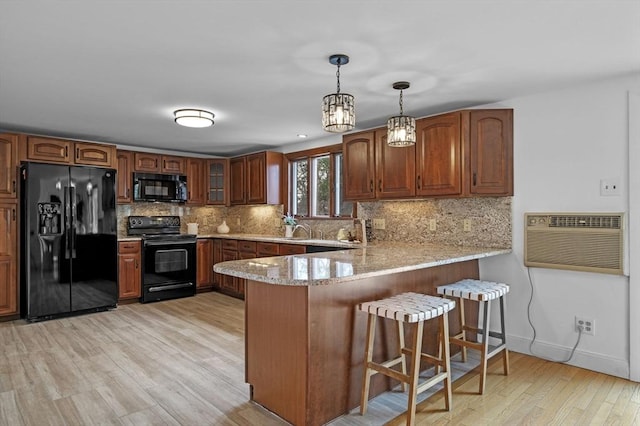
point(564, 143)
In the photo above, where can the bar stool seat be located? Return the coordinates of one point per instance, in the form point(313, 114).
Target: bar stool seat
point(482, 292)
point(412, 308)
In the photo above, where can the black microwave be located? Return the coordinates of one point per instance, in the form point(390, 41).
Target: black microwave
point(156, 187)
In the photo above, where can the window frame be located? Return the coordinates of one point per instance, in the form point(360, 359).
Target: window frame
point(309, 155)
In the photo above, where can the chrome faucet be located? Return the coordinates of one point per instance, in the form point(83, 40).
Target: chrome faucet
point(307, 228)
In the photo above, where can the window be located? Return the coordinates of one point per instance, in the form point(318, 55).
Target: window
point(316, 187)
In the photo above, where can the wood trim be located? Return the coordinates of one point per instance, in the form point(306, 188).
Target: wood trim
point(314, 152)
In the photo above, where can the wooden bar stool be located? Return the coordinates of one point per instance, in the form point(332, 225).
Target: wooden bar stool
point(409, 308)
point(482, 292)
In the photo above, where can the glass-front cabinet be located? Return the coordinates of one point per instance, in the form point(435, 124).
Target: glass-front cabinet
point(217, 186)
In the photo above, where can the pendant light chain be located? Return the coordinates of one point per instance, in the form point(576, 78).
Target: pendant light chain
point(338, 78)
point(401, 104)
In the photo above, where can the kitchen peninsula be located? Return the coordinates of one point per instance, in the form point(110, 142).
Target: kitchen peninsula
point(304, 339)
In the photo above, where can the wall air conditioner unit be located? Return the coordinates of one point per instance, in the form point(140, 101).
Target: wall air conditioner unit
point(591, 242)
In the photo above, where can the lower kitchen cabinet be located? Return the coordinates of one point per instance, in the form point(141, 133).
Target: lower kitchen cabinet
point(228, 283)
point(129, 270)
point(204, 270)
point(8, 259)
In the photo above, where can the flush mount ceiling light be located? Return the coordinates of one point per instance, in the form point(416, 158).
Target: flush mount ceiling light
point(401, 129)
point(338, 109)
point(193, 117)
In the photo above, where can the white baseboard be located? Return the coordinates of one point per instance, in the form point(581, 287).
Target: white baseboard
point(583, 359)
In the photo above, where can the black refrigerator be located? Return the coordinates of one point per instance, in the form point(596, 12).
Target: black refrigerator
point(69, 260)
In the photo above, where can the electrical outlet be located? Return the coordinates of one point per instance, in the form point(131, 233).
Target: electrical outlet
point(466, 225)
point(588, 325)
point(609, 187)
point(238, 221)
point(432, 224)
point(378, 224)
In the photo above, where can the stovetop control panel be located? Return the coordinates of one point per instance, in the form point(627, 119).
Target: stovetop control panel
point(138, 225)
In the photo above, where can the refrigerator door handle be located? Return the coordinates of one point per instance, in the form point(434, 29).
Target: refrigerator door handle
point(72, 230)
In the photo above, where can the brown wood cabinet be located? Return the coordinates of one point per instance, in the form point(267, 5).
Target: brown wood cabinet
point(217, 181)
point(395, 168)
point(156, 163)
point(195, 181)
point(287, 249)
point(255, 178)
point(217, 258)
point(491, 152)
point(8, 258)
point(267, 249)
point(359, 170)
point(229, 284)
point(62, 151)
point(439, 155)
point(204, 270)
point(125, 168)
point(463, 153)
point(8, 166)
point(129, 270)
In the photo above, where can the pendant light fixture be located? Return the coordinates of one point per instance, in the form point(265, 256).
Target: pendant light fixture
point(338, 109)
point(193, 117)
point(401, 129)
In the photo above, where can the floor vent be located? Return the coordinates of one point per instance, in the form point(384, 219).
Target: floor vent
point(590, 242)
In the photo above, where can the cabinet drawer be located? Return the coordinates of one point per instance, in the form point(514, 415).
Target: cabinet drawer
point(229, 245)
point(286, 249)
point(128, 247)
point(247, 246)
point(267, 249)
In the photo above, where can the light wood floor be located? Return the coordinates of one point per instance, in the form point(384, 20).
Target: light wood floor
point(180, 362)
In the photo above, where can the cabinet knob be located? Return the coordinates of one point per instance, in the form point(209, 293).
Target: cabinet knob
point(371, 186)
point(474, 178)
point(419, 183)
point(14, 214)
point(66, 151)
point(380, 185)
point(136, 263)
point(14, 186)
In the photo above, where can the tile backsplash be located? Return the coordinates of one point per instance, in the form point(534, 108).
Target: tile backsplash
point(407, 220)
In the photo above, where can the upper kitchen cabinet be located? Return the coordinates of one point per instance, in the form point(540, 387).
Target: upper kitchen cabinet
point(8, 165)
point(491, 152)
point(156, 163)
point(359, 166)
point(195, 181)
point(62, 151)
point(439, 155)
point(256, 178)
point(124, 161)
point(217, 181)
point(395, 168)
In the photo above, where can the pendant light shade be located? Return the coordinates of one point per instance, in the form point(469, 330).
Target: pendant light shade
point(401, 129)
point(338, 109)
point(193, 117)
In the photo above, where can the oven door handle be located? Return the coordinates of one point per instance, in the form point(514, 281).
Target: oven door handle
point(169, 287)
point(168, 243)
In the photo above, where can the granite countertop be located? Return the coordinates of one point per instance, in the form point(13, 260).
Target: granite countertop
point(282, 240)
point(346, 265)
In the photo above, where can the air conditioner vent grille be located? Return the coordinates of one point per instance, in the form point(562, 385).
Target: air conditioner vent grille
point(582, 242)
point(573, 221)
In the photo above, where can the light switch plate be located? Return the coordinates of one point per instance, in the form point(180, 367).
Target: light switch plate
point(378, 224)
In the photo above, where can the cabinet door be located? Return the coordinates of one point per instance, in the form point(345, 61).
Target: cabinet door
point(144, 162)
point(129, 272)
point(228, 282)
point(256, 170)
point(439, 155)
point(217, 185)
point(491, 151)
point(286, 249)
point(174, 165)
point(124, 167)
point(359, 166)
point(204, 268)
point(8, 259)
point(93, 154)
point(217, 257)
point(395, 168)
point(49, 150)
point(237, 168)
point(8, 165)
point(195, 181)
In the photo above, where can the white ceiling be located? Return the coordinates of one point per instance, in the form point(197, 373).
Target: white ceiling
point(114, 71)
